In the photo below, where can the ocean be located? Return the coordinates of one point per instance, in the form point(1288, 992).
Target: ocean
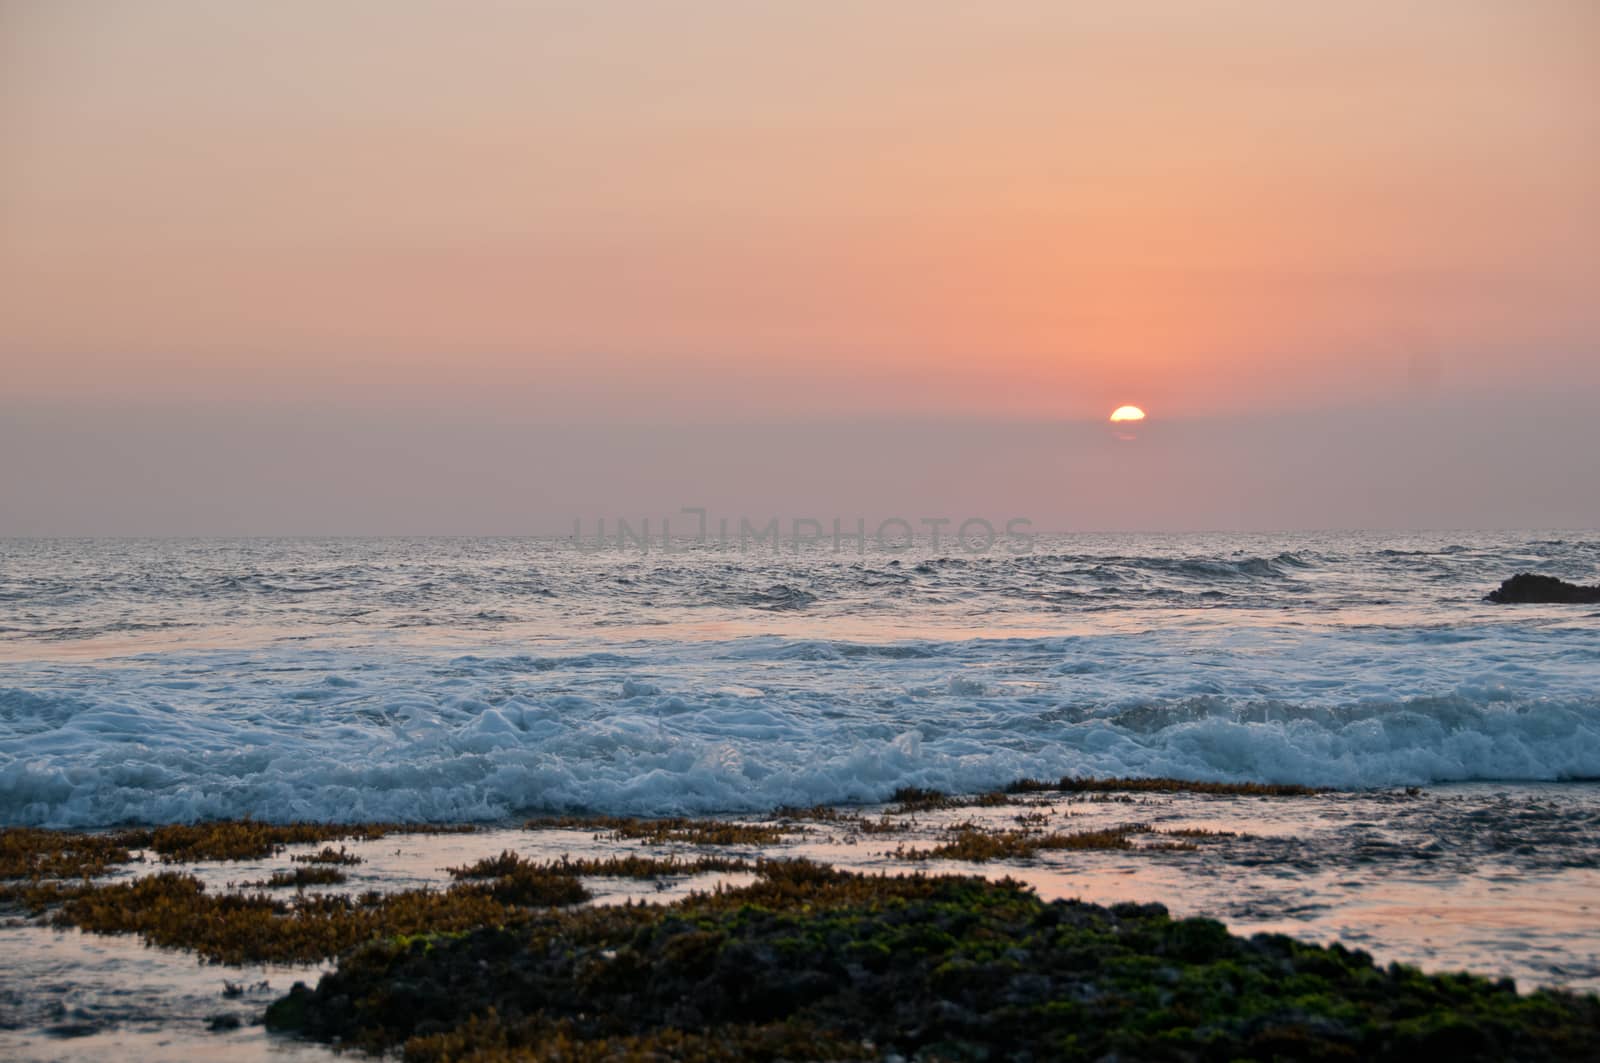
point(479, 679)
point(487, 681)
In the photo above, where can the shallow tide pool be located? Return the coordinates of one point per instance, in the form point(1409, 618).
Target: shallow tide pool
point(1499, 880)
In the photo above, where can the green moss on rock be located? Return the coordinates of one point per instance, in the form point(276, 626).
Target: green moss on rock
point(810, 962)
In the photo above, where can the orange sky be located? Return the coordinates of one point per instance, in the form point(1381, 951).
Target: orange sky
point(591, 210)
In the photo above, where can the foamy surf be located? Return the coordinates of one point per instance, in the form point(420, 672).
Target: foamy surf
point(662, 726)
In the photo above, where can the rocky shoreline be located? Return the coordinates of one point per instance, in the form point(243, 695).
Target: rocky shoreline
point(811, 963)
point(766, 952)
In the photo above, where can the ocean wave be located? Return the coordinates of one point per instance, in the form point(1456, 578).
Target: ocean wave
point(779, 596)
point(472, 679)
point(88, 590)
point(473, 760)
point(750, 724)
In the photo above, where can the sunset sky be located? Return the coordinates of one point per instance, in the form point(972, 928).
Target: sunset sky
point(533, 254)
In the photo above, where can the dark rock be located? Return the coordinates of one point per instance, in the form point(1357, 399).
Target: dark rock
point(225, 1021)
point(1526, 588)
point(813, 964)
point(289, 1013)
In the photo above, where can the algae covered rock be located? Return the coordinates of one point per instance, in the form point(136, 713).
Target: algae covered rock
point(808, 962)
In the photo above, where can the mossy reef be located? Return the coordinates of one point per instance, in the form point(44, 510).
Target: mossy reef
point(508, 961)
point(809, 962)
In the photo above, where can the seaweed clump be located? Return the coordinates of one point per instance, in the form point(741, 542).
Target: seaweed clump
point(630, 866)
point(809, 962)
point(328, 855)
point(850, 821)
point(981, 846)
point(1070, 784)
point(912, 799)
point(175, 910)
point(246, 839)
point(33, 853)
point(672, 829)
point(301, 877)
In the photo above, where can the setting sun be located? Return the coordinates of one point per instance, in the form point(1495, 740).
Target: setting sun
point(679, 418)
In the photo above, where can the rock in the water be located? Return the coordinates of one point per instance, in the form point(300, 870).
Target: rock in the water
point(1525, 587)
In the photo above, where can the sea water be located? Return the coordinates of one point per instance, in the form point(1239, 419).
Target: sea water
point(451, 680)
point(486, 679)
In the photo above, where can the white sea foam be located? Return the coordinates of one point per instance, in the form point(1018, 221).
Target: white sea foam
point(662, 726)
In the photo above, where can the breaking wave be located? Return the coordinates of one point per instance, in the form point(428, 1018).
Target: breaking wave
point(474, 679)
point(749, 724)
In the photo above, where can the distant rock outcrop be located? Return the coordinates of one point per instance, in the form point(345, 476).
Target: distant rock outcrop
point(1525, 587)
